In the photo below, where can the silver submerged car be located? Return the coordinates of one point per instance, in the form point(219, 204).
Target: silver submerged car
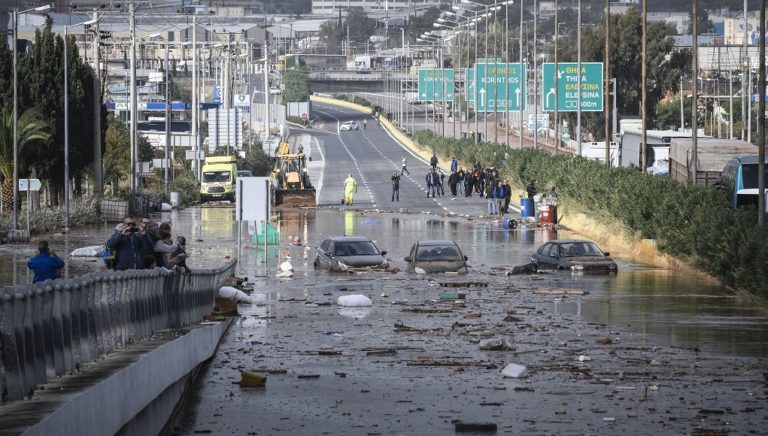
point(573, 255)
point(436, 257)
point(349, 253)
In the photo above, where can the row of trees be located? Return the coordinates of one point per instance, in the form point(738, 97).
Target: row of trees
point(41, 110)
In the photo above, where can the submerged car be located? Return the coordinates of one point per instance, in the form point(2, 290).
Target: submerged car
point(349, 125)
point(348, 253)
point(436, 257)
point(573, 255)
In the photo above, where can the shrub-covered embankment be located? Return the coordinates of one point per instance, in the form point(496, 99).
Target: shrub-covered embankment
point(691, 223)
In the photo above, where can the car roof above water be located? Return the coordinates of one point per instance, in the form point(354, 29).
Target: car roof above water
point(570, 241)
point(350, 239)
point(432, 243)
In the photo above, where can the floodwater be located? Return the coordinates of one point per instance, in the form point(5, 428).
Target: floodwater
point(662, 307)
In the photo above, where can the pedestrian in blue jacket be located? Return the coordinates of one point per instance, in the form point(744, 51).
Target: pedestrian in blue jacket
point(45, 264)
point(130, 244)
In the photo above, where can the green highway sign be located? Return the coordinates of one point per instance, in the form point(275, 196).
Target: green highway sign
point(498, 87)
point(436, 84)
point(568, 87)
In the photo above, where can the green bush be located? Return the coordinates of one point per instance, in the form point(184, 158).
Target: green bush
point(186, 184)
point(296, 120)
point(693, 223)
point(353, 99)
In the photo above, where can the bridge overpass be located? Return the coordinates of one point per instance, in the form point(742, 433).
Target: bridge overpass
point(350, 81)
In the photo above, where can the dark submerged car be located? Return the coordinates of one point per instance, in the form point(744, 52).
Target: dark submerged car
point(436, 257)
point(573, 255)
point(346, 253)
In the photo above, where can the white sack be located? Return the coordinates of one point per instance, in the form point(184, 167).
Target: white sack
point(354, 300)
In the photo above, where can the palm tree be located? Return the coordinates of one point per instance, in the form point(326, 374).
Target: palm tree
point(33, 130)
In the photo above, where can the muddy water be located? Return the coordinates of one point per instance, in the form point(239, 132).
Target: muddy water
point(661, 307)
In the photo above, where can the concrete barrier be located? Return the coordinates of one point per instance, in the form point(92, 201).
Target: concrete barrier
point(133, 392)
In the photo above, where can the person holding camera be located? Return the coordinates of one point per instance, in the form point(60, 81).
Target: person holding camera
point(131, 244)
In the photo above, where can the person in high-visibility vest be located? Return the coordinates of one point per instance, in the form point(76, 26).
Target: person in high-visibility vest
point(350, 188)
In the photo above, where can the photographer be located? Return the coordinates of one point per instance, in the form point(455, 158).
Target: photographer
point(130, 245)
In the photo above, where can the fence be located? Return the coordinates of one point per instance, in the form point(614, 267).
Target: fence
point(50, 328)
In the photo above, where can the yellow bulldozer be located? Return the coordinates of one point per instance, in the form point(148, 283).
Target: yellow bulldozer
point(291, 186)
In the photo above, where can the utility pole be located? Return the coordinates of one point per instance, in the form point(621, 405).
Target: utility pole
point(761, 123)
point(557, 39)
point(535, 79)
point(98, 168)
point(134, 103)
point(507, 60)
point(578, 78)
point(168, 120)
point(16, 122)
point(694, 90)
point(267, 117)
point(195, 99)
point(644, 86)
point(744, 66)
point(520, 77)
point(607, 73)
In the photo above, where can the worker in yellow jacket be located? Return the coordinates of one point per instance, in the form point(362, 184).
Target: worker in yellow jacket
point(350, 189)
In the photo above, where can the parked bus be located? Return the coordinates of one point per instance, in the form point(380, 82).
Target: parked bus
point(739, 179)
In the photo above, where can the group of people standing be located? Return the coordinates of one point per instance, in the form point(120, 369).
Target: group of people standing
point(145, 245)
point(486, 183)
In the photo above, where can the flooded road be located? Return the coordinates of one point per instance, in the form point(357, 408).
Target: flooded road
point(664, 307)
point(644, 351)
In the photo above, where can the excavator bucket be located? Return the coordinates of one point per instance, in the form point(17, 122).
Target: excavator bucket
point(294, 197)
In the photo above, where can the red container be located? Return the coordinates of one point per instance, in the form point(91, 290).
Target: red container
point(547, 215)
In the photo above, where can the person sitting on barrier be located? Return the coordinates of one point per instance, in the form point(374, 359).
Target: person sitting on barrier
point(130, 244)
point(45, 264)
point(165, 248)
point(181, 253)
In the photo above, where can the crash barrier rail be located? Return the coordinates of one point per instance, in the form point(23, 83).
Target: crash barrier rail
point(49, 329)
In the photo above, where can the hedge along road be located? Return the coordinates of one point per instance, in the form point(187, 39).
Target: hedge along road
point(663, 353)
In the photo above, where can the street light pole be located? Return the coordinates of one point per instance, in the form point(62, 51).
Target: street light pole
point(15, 123)
point(523, 84)
point(195, 98)
point(16, 14)
point(578, 78)
point(607, 67)
point(535, 79)
point(134, 103)
point(556, 118)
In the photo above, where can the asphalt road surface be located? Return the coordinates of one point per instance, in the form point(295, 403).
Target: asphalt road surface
point(371, 155)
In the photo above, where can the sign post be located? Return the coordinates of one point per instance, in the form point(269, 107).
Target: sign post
point(568, 87)
point(29, 185)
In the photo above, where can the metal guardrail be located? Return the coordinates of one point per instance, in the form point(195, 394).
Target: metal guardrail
point(50, 328)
